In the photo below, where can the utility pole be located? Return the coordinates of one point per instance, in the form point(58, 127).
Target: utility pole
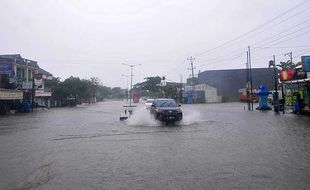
point(248, 81)
point(290, 55)
point(131, 75)
point(276, 96)
point(251, 82)
point(191, 59)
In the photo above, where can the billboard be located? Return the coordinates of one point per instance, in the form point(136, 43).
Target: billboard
point(305, 61)
point(287, 75)
point(292, 74)
point(6, 68)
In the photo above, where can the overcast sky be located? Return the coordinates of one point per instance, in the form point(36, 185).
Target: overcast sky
point(88, 38)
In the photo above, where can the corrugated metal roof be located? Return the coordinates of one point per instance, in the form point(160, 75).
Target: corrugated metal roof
point(229, 81)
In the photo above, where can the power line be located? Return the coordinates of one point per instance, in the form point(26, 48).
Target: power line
point(282, 32)
point(254, 29)
point(282, 47)
point(307, 32)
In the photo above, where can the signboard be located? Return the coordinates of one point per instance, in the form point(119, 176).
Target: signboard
point(292, 74)
point(287, 74)
point(11, 95)
point(38, 80)
point(6, 68)
point(43, 94)
point(305, 62)
point(27, 85)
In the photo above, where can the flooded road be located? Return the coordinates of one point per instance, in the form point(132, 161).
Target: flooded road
point(217, 146)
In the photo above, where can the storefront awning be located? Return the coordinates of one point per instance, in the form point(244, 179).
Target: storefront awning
point(296, 81)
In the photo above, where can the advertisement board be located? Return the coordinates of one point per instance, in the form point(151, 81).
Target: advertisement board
point(292, 74)
point(27, 85)
point(11, 95)
point(305, 62)
point(6, 68)
point(38, 78)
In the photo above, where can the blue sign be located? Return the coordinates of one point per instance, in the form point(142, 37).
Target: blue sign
point(305, 61)
point(6, 68)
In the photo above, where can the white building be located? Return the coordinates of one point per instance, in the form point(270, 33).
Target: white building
point(210, 92)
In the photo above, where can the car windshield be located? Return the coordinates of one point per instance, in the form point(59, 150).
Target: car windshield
point(165, 103)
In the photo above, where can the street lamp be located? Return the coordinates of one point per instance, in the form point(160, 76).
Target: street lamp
point(131, 67)
point(127, 94)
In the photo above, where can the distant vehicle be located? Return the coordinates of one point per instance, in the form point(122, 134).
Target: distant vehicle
point(166, 110)
point(148, 103)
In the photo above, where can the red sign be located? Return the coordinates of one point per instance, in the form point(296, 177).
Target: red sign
point(287, 74)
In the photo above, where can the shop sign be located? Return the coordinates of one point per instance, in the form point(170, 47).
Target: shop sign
point(292, 74)
point(11, 95)
point(27, 85)
point(305, 61)
point(6, 68)
point(287, 74)
point(38, 78)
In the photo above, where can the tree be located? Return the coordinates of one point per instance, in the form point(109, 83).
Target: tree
point(288, 65)
point(150, 87)
point(74, 87)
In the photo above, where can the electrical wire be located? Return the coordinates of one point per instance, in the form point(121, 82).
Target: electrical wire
point(254, 29)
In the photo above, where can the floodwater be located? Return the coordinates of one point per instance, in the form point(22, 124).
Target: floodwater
point(217, 146)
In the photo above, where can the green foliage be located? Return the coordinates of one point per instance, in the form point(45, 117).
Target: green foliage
point(288, 65)
point(74, 87)
point(150, 87)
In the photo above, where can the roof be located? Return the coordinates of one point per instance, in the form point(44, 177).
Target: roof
point(44, 72)
point(19, 60)
point(229, 81)
point(9, 58)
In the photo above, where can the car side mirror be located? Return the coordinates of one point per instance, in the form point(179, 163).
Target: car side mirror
point(153, 105)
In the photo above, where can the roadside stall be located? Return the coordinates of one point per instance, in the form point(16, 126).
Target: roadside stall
point(296, 83)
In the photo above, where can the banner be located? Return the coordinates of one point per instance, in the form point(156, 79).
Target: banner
point(6, 68)
point(38, 80)
point(292, 74)
point(287, 74)
point(11, 95)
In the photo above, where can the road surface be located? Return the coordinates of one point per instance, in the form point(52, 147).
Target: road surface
point(217, 146)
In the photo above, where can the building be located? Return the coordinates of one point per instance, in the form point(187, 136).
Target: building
point(202, 93)
point(228, 82)
point(20, 82)
point(43, 95)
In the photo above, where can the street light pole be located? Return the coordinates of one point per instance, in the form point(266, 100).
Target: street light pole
point(127, 94)
point(131, 75)
point(276, 96)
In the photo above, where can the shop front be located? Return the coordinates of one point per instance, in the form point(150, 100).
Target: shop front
point(296, 83)
point(10, 100)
